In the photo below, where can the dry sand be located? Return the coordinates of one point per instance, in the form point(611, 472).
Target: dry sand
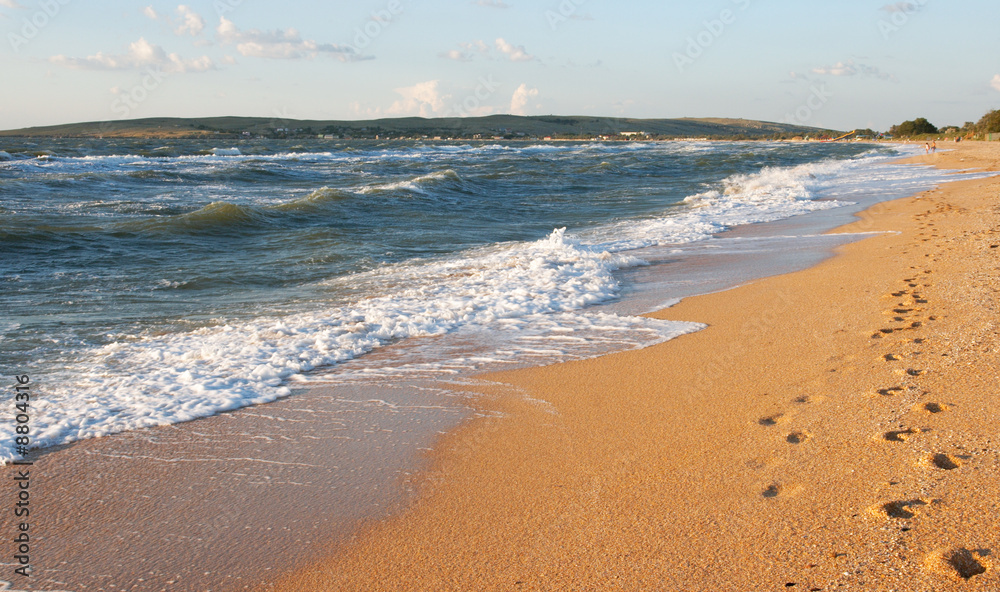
point(835, 428)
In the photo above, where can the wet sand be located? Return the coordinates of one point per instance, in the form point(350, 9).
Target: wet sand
point(692, 465)
point(834, 428)
point(226, 502)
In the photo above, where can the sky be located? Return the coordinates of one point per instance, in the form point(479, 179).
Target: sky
point(840, 65)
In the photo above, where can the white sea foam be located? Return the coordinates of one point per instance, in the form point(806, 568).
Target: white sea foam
point(415, 185)
point(526, 296)
point(158, 380)
point(428, 153)
point(771, 194)
point(537, 339)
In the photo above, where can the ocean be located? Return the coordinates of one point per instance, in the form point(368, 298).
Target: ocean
point(151, 282)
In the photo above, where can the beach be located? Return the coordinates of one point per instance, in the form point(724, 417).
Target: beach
point(416, 296)
point(833, 428)
point(828, 428)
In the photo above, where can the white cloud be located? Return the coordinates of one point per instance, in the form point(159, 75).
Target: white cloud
point(516, 53)
point(279, 44)
point(995, 83)
point(190, 23)
point(851, 68)
point(467, 51)
point(141, 54)
point(423, 99)
point(492, 3)
point(10, 4)
point(457, 55)
point(838, 69)
point(520, 100)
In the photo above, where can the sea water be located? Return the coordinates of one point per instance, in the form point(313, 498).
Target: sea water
point(147, 283)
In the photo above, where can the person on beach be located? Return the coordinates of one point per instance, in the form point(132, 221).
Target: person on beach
point(934, 146)
point(927, 148)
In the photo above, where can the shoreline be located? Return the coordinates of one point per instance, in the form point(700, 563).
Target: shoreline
point(823, 431)
point(287, 472)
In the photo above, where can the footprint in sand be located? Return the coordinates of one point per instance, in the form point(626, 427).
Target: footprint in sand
point(958, 562)
point(772, 491)
point(772, 420)
point(899, 510)
point(900, 435)
point(779, 489)
point(892, 358)
point(945, 462)
point(798, 437)
point(891, 391)
point(934, 407)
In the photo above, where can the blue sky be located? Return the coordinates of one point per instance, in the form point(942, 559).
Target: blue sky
point(840, 64)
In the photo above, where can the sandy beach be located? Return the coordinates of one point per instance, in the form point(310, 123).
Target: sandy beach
point(832, 429)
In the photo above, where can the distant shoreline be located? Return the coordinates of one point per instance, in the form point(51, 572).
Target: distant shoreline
point(490, 128)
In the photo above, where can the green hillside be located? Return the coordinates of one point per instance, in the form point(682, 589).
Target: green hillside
point(506, 126)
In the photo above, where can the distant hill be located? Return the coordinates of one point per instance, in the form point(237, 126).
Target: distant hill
point(506, 126)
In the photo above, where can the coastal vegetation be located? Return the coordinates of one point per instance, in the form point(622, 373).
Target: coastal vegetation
point(493, 127)
point(498, 127)
point(921, 128)
point(916, 127)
